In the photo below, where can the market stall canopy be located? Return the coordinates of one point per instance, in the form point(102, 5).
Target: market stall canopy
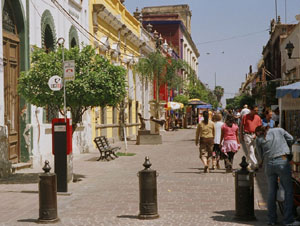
point(195, 102)
point(204, 106)
point(175, 105)
point(293, 89)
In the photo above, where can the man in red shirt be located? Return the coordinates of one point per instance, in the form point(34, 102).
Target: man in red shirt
point(248, 126)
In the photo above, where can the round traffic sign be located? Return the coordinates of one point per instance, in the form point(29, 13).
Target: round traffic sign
point(55, 83)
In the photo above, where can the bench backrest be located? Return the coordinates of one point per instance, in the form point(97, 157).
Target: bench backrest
point(99, 142)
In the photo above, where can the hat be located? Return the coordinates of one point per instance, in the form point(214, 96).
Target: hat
point(245, 106)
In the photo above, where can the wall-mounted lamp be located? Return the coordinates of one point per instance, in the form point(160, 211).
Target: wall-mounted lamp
point(289, 48)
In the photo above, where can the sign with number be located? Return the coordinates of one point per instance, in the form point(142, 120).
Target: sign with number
point(55, 83)
point(69, 70)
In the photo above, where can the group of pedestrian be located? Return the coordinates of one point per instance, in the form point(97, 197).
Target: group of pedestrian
point(217, 141)
point(261, 137)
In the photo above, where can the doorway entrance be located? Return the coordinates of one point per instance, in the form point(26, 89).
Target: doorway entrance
point(11, 58)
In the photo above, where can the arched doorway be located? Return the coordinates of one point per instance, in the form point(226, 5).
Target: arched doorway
point(11, 63)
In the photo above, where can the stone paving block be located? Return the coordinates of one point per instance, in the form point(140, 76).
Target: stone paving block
point(108, 192)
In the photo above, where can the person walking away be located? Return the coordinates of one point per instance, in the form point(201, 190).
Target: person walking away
point(248, 126)
point(217, 150)
point(205, 137)
point(230, 139)
point(267, 120)
point(273, 147)
point(245, 111)
point(237, 116)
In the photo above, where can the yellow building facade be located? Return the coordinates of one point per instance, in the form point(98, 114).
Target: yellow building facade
point(118, 37)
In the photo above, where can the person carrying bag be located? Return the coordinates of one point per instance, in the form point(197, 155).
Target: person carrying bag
point(273, 147)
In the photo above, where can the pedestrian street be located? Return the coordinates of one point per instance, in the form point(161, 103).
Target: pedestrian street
point(107, 193)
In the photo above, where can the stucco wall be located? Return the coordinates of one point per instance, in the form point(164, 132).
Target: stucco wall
point(4, 163)
point(41, 131)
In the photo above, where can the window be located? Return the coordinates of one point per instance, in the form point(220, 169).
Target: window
point(48, 39)
point(73, 42)
point(48, 34)
point(73, 37)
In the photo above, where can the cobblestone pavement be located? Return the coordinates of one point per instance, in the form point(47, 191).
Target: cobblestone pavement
point(108, 192)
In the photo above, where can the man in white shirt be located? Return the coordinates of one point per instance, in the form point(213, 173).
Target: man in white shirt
point(245, 111)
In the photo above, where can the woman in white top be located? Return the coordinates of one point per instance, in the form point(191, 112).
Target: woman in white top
point(217, 150)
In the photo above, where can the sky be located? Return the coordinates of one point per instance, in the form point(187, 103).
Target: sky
point(229, 34)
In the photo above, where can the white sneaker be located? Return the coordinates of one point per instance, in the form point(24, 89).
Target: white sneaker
point(294, 223)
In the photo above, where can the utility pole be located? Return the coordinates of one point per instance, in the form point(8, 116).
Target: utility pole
point(285, 12)
point(215, 79)
point(276, 19)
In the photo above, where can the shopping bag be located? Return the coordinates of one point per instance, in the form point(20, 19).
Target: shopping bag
point(280, 193)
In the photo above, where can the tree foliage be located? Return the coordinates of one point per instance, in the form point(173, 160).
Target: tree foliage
point(157, 67)
point(239, 101)
point(219, 92)
point(182, 99)
point(97, 82)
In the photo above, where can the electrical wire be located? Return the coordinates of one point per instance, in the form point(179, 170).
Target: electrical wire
point(35, 8)
point(69, 16)
point(71, 19)
point(233, 37)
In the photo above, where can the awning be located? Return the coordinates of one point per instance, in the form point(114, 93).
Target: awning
point(204, 106)
point(293, 89)
point(195, 102)
point(175, 105)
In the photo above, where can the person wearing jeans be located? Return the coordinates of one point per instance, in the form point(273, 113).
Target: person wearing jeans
point(272, 146)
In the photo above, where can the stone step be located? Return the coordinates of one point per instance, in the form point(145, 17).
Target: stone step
point(20, 165)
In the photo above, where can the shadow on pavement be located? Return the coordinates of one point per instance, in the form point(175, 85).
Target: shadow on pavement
point(21, 178)
point(77, 177)
point(93, 159)
point(228, 216)
point(189, 140)
point(30, 178)
point(28, 220)
point(202, 169)
point(128, 216)
point(262, 183)
point(189, 172)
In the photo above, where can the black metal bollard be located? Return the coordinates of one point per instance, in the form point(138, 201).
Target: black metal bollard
point(244, 193)
point(148, 192)
point(47, 195)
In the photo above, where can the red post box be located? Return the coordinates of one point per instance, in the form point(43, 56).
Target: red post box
point(68, 130)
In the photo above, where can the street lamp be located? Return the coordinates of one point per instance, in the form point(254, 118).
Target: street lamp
point(289, 48)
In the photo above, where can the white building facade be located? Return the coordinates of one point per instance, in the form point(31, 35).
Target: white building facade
point(25, 130)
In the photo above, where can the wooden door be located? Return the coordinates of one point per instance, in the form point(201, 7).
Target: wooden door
point(11, 98)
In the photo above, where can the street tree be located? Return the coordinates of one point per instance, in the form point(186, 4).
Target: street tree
point(97, 82)
point(160, 70)
point(181, 98)
point(219, 92)
point(239, 101)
